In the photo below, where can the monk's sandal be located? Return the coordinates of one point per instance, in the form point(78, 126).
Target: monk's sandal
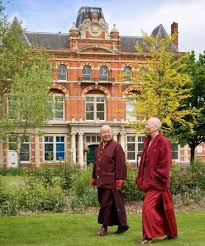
point(144, 241)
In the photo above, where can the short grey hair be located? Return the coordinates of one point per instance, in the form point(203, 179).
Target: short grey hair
point(106, 127)
point(155, 122)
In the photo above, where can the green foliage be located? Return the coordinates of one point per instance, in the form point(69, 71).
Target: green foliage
point(37, 197)
point(81, 194)
point(131, 193)
point(196, 70)
point(161, 84)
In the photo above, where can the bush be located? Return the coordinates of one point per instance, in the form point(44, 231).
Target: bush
point(37, 197)
point(130, 190)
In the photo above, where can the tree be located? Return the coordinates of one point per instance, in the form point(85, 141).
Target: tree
point(25, 79)
point(161, 84)
point(196, 70)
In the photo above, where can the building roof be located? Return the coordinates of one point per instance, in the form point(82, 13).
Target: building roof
point(47, 40)
point(85, 12)
point(60, 40)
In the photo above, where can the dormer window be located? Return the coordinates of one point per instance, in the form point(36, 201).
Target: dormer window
point(62, 72)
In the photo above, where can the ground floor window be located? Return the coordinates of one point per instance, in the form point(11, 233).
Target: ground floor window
point(21, 145)
point(175, 152)
point(134, 147)
point(54, 148)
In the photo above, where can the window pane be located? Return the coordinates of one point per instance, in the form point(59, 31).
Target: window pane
point(131, 147)
point(60, 147)
point(48, 139)
point(62, 72)
point(49, 156)
point(131, 155)
point(89, 115)
point(60, 156)
point(100, 115)
point(89, 107)
point(100, 107)
point(89, 99)
point(24, 157)
point(60, 139)
point(49, 147)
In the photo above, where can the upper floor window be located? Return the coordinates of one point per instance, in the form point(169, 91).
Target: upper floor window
point(58, 106)
point(127, 73)
point(16, 108)
point(95, 108)
point(130, 114)
point(87, 72)
point(103, 73)
point(62, 72)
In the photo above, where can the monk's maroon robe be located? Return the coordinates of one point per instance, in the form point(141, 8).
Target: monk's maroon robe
point(109, 166)
point(158, 218)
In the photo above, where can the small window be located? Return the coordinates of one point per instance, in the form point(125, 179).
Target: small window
point(62, 72)
point(175, 151)
point(87, 73)
point(127, 73)
point(103, 73)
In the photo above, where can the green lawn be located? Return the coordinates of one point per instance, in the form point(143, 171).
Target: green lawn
point(75, 229)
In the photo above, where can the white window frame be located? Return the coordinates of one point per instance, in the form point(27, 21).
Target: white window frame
point(95, 96)
point(18, 142)
point(102, 75)
point(54, 147)
point(53, 103)
point(136, 142)
point(86, 75)
point(178, 152)
point(66, 73)
point(127, 74)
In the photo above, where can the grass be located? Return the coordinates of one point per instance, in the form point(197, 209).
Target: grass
point(79, 230)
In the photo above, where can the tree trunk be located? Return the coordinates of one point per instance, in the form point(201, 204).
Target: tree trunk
point(192, 147)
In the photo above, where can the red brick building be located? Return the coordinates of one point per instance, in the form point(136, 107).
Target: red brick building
point(94, 70)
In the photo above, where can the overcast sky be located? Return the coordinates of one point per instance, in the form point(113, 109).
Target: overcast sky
point(130, 16)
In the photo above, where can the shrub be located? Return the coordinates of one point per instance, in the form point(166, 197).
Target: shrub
point(130, 190)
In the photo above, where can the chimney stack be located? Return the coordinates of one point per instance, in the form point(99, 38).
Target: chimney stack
point(174, 31)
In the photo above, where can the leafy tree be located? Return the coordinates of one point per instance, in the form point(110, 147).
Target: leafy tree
point(25, 79)
point(161, 84)
point(196, 70)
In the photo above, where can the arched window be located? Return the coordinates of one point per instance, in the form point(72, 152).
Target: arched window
point(62, 72)
point(95, 106)
point(127, 73)
point(103, 73)
point(87, 72)
point(58, 106)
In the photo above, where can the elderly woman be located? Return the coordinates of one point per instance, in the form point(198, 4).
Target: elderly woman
point(158, 218)
point(109, 173)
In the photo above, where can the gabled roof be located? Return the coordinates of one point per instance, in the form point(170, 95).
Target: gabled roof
point(160, 33)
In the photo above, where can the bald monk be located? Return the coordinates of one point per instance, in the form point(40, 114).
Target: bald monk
point(109, 173)
point(158, 218)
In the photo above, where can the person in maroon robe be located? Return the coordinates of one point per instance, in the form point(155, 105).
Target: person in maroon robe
point(109, 173)
point(158, 218)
